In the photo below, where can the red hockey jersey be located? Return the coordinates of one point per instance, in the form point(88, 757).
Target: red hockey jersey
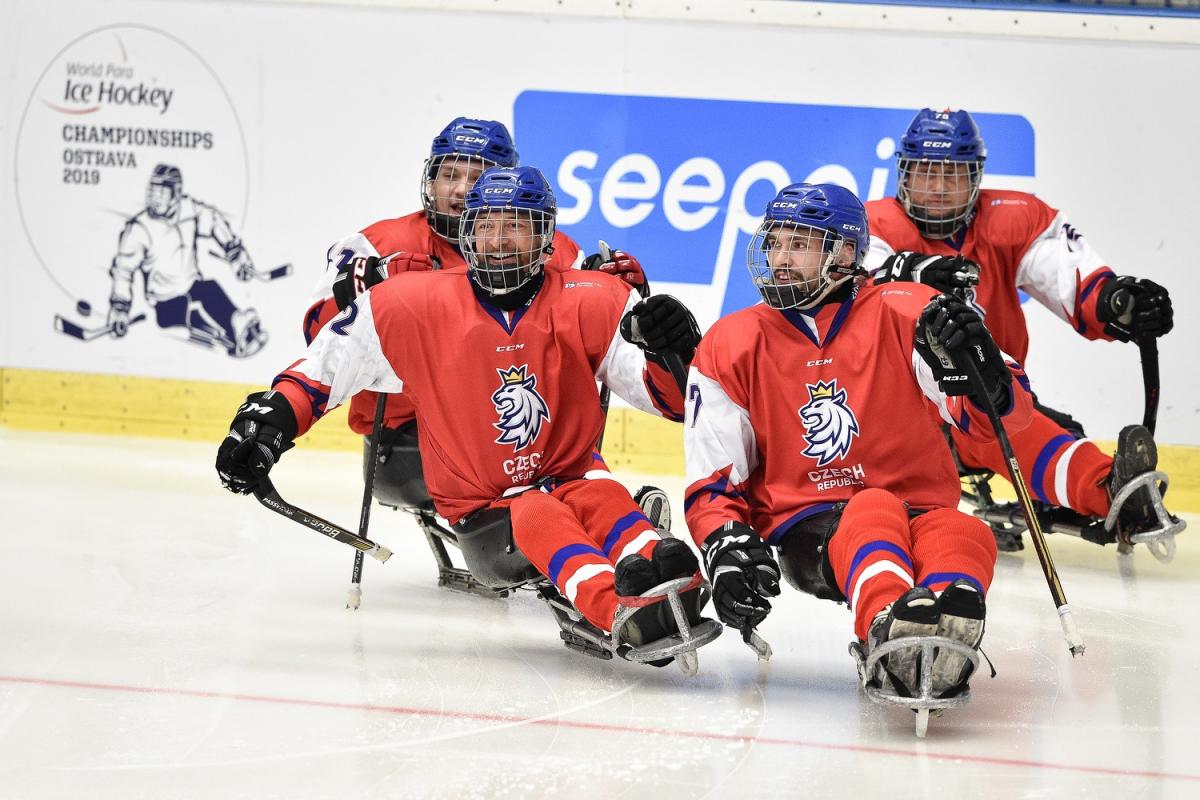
point(505, 400)
point(1019, 242)
point(411, 234)
point(791, 412)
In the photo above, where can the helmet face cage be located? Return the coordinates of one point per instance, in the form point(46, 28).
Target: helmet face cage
point(938, 194)
point(162, 199)
point(797, 266)
point(505, 246)
point(445, 181)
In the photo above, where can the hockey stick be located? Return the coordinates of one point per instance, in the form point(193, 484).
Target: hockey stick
point(354, 596)
point(1148, 348)
point(605, 393)
point(282, 271)
point(65, 326)
point(267, 495)
point(1034, 525)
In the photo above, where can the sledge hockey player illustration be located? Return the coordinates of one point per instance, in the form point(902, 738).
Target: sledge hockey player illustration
point(811, 456)
point(161, 243)
point(510, 407)
point(943, 230)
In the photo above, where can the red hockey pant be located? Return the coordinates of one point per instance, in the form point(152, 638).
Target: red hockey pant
point(575, 535)
point(1060, 469)
point(878, 553)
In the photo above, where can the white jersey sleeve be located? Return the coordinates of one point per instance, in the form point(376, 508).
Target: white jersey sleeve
point(878, 251)
point(339, 254)
point(346, 357)
point(1054, 263)
point(624, 371)
point(717, 434)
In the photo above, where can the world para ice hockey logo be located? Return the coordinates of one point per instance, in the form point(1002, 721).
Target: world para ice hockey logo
point(522, 410)
point(830, 425)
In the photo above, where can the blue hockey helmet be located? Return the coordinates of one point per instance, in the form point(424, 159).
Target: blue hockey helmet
point(163, 190)
point(939, 170)
point(507, 228)
point(458, 155)
point(812, 239)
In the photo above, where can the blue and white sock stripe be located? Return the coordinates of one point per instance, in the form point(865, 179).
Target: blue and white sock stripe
point(875, 569)
point(1060, 473)
point(584, 573)
point(950, 577)
point(899, 563)
point(623, 524)
point(564, 554)
point(1037, 478)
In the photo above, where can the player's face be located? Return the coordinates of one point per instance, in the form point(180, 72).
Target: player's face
point(940, 188)
point(505, 239)
point(795, 253)
point(454, 177)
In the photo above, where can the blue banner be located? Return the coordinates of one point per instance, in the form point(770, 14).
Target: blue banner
point(682, 183)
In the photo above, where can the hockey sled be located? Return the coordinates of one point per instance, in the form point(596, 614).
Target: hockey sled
point(1008, 524)
point(923, 703)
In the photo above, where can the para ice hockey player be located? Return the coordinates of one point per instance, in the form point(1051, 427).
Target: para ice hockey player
point(507, 407)
point(424, 240)
point(808, 434)
point(943, 230)
point(162, 241)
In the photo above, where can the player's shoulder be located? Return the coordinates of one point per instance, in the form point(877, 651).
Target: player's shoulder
point(1006, 211)
point(737, 335)
point(898, 300)
point(410, 232)
point(566, 250)
point(887, 219)
point(589, 287)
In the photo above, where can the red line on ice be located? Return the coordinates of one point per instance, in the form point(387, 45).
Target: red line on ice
point(598, 726)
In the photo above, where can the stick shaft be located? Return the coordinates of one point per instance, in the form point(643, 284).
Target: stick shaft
point(1148, 348)
point(364, 517)
point(1031, 518)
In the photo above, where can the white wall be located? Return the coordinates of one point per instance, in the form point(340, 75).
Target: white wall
point(321, 115)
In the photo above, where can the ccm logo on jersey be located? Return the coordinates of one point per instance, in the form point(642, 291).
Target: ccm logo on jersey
point(820, 362)
point(508, 348)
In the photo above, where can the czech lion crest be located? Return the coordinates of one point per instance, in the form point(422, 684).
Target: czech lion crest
point(522, 410)
point(830, 425)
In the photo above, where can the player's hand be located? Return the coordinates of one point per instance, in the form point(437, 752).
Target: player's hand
point(118, 317)
point(661, 324)
point(245, 270)
point(621, 264)
point(363, 272)
point(261, 431)
point(743, 574)
point(950, 334)
point(1134, 308)
point(950, 274)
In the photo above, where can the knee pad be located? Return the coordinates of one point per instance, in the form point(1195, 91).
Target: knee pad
point(399, 476)
point(486, 541)
point(803, 558)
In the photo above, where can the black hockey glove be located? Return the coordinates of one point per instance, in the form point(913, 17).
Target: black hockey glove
point(743, 574)
point(950, 274)
point(661, 324)
point(951, 334)
point(1134, 308)
point(361, 273)
point(261, 431)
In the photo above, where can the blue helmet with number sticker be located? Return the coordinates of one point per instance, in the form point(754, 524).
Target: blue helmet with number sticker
point(812, 239)
point(939, 170)
point(507, 228)
point(459, 154)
